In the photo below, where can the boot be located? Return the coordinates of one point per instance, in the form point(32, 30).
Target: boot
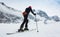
point(26, 29)
point(20, 30)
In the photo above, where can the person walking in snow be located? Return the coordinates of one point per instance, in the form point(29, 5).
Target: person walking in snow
point(25, 21)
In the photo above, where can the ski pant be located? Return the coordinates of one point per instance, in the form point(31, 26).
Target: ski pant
point(25, 22)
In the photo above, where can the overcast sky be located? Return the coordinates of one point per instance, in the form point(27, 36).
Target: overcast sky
point(52, 7)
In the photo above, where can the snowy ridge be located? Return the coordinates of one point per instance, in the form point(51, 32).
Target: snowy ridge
point(7, 6)
point(46, 17)
point(8, 14)
point(4, 8)
point(8, 18)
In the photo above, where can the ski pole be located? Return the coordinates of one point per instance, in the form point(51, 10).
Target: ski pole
point(36, 24)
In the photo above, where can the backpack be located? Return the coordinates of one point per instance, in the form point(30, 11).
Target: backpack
point(24, 13)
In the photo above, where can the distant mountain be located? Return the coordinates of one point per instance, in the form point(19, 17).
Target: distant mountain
point(7, 6)
point(44, 14)
point(8, 14)
point(55, 18)
point(8, 18)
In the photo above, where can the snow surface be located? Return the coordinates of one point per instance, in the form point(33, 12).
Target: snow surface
point(45, 30)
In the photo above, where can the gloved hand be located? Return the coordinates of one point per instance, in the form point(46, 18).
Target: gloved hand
point(34, 14)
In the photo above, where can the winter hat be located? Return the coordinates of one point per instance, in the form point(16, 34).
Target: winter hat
point(30, 7)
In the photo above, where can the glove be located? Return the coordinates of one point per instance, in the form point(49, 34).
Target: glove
point(34, 14)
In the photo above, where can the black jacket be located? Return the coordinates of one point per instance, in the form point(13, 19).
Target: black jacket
point(28, 10)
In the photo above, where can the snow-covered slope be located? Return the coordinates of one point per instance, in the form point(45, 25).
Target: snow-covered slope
point(7, 6)
point(8, 14)
point(44, 16)
point(49, 30)
point(4, 8)
point(8, 18)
